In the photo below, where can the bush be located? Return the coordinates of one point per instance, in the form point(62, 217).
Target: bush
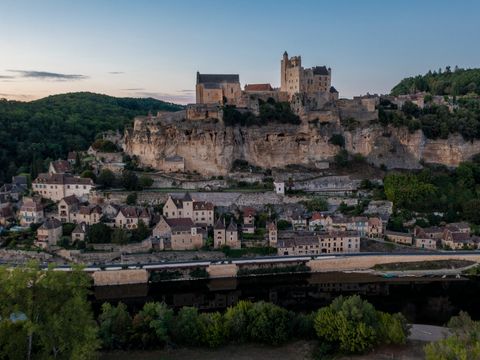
point(269, 324)
point(337, 139)
point(115, 326)
point(188, 328)
point(131, 198)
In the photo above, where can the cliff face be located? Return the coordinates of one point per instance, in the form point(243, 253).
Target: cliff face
point(210, 148)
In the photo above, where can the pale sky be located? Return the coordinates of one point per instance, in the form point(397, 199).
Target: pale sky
point(154, 48)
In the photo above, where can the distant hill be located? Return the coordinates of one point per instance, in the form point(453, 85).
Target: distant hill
point(447, 82)
point(31, 132)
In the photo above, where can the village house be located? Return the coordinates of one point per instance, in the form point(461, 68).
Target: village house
point(375, 227)
point(399, 237)
point(317, 222)
point(248, 220)
point(7, 215)
point(57, 186)
point(298, 220)
point(320, 243)
point(201, 212)
point(177, 234)
point(72, 157)
point(67, 208)
point(129, 217)
point(89, 214)
point(279, 187)
point(226, 236)
point(173, 163)
point(110, 210)
point(272, 234)
point(358, 224)
point(59, 167)
point(425, 243)
point(49, 233)
point(31, 212)
point(432, 232)
point(14, 190)
point(457, 240)
point(80, 232)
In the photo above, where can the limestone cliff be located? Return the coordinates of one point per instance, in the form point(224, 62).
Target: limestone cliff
point(210, 148)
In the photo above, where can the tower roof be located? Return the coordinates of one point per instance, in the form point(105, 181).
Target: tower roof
point(219, 225)
point(232, 226)
point(187, 197)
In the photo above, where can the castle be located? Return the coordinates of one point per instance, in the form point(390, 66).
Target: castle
point(216, 90)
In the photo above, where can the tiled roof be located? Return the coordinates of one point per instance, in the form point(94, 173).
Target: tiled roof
point(258, 87)
point(248, 211)
point(202, 205)
point(61, 179)
point(180, 224)
point(461, 237)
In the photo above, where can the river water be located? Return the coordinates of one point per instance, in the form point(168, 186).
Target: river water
point(421, 299)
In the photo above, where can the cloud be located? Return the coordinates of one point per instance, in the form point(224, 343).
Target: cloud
point(20, 97)
point(116, 72)
point(7, 77)
point(133, 89)
point(45, 75)
point(187, 91)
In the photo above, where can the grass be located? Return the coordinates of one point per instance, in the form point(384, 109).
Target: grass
point(424, 265)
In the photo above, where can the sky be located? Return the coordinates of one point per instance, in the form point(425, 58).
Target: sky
point(153, 48)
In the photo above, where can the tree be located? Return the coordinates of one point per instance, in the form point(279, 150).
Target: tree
point(213, 329)
point(283, 225)
point(337, 139)
point(354, 326)
point(341, 159)
point(141, 232)
point(119, 236)
point(145, 181)
point(131, 198)
point(236, 321)
point(317, 204)
point(188, 328)
point(152, 325)
point(129, 180)
point(463, 343)
point(115, 326)
point(268, 323)
point(99, 233)
point(48, 313)
point(106, 178)
point(88, 174)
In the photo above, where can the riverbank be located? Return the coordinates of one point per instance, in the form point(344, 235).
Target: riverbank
point(298, 350)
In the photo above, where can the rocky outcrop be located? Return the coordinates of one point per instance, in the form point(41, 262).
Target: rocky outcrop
point(210, 148)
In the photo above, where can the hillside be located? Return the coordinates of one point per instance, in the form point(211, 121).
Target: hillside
point(447, 82)
point(48, 128)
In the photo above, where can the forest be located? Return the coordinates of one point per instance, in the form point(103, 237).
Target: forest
point(48, 128)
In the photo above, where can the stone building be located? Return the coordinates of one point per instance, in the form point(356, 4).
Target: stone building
point(178, 234)
point(129, 217)
point(67, 208)
point(31, 211)
point(248, 220)
point(173, 163)
point(399, 237)
point(49, 233)
point(296, 79)
point(272, 234)
point(226, 236)
point(57, 186)
point(320, 243)
point(218, 89)
point(59, 167)
point(201, 212)
point(80, 232)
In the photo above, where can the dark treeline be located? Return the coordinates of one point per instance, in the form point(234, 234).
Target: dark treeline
point(31, 132)
point(446, 82)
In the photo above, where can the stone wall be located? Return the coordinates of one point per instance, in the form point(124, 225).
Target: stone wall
point(120, 277)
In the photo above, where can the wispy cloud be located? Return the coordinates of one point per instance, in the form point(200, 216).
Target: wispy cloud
point(7, 77)
point(116, 72)
point(186, 91)
point(45, 75)
point(21, 97)
point(133, 89)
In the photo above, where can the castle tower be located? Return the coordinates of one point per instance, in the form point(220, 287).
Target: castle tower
point(283, 72)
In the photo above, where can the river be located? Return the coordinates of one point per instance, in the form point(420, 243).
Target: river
point(426, 300)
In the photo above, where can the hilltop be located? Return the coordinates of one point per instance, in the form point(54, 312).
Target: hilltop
point(31, 132)
point(447, 82)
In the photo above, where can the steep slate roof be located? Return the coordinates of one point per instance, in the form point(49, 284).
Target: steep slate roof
point(129, 212)
point(320, 70)
point(258, 87)
point(333, 90)
point(51, 223)
point(80, 229)
point(219, 225)
point(232, 226)
point(180, 224)
point(70, 200)
point(187, 197)
point(272, 226)
point(217, 78)
point(202, 205)
point(89, 209)
point(61, 166)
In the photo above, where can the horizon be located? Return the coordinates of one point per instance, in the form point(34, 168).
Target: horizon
point(154, 50)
